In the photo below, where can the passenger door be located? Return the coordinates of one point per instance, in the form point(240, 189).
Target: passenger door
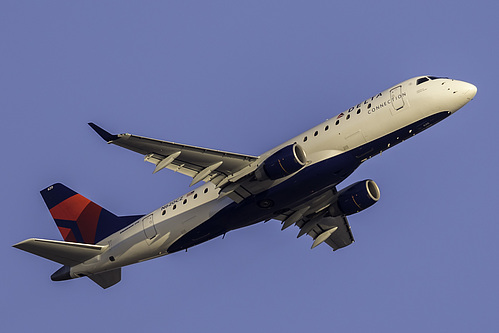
point(149, 228)
point(397, 98)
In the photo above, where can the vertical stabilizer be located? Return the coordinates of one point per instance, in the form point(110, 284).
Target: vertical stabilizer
point(79, 219)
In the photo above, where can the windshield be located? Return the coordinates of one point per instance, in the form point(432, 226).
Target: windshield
point(428, 78)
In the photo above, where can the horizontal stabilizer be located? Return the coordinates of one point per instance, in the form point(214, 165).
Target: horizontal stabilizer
point(107, 279)
point(66, 253)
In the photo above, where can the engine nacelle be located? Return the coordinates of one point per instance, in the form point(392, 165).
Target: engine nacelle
point(356, 197)
point(282, 163)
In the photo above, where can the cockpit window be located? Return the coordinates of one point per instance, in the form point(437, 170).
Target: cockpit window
point(427, 78)
point(437, 77)
point(422, 80)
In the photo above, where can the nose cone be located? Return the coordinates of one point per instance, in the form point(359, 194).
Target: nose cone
point(470, 92)
point(459, 93)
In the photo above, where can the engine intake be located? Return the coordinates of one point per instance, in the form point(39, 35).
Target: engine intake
point(282, 163)
point(356, 197)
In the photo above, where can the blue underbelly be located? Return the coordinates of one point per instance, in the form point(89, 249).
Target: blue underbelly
point(300, 188)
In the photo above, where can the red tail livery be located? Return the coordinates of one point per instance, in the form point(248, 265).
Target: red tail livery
point(79, 219)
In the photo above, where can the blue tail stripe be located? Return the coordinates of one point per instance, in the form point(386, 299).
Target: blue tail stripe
point(73, 226)
point(110, 223)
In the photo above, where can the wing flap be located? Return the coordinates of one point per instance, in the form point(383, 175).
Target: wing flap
point(65, 253)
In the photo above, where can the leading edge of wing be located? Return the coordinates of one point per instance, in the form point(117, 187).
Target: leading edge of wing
point(108, 137)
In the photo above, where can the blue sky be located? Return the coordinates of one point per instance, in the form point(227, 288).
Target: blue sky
point(245, 76)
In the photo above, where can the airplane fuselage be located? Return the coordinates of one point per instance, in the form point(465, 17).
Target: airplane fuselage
point(334, 149)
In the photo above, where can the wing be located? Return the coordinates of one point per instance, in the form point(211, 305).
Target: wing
point(313, 218)
point(202, 164)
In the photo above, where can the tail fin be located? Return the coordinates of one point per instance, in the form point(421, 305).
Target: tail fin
point(79, 219)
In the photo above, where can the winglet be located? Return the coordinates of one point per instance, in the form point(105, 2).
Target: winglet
point(108, 137)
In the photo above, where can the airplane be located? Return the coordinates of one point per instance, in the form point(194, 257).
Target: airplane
point(294, 183)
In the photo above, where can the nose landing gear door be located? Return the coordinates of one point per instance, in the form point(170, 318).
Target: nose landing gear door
point(149, 228)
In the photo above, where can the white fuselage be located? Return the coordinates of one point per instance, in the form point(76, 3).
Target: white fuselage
point(364, 130)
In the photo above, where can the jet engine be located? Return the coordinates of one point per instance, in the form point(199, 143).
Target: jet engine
point(282, 163)
point(355, 198)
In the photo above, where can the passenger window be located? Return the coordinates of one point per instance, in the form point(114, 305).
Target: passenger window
point(316, 133)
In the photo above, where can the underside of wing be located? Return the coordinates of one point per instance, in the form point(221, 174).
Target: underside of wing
point(202, 164)
point(314, 219)
point(335, 232)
